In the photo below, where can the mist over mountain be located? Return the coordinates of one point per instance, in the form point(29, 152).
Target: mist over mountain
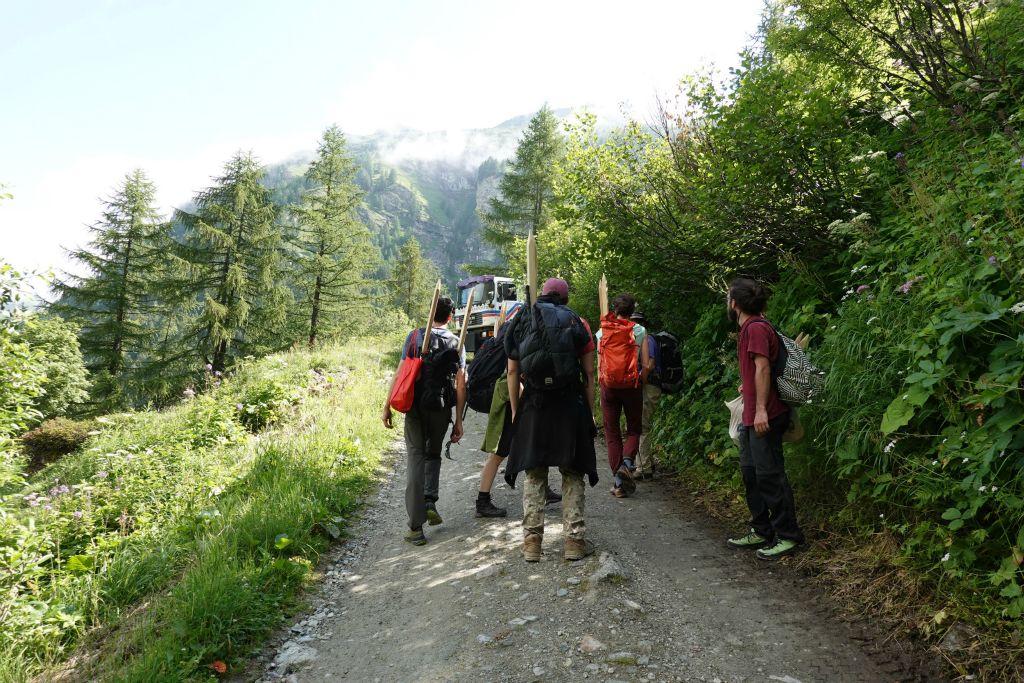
point(429, 185)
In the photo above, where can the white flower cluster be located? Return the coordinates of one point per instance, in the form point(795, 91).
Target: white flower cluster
point(1017, 308)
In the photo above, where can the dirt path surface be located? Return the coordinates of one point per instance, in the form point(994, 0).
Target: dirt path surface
point(675, 603)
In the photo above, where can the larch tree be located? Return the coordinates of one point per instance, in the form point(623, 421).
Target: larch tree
point(526, 190)
point(412, 281)
point(112, 297)
point(333, 251)
point(232, 256)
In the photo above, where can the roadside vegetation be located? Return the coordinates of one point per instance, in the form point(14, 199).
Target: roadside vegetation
point(170, 543)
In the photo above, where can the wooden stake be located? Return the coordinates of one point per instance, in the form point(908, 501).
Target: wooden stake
point(531, 269)
point(465, 319)
point(602, 295)
point(500, 320)
point(430, 320)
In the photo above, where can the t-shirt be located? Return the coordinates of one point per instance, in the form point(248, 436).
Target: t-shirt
point(441, 332)
point(757, 339)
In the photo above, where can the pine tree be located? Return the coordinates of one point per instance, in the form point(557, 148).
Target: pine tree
point(232, 254)
point(526, 191)
point(110, 302)
point(333, 250)
point(412, 281)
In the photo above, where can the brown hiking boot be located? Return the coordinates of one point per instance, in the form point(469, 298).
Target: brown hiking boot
point(577, 550)
point(531, 547)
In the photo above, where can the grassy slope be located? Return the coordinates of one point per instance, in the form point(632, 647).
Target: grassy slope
point(194, 537)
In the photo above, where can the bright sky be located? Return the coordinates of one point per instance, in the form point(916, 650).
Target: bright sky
point(94, 88)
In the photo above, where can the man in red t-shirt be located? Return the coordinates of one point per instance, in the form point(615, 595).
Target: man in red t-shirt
point(774, 530)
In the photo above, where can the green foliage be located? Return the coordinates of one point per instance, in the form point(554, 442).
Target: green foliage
point(60, 359)
point(526, 190)
point(176, 517)
point(412, 281)
point(332, 249)
point(55, 438)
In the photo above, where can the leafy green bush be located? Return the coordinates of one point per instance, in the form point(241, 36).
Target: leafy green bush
point(54, 438)
point(264, 403)
point(55, 343)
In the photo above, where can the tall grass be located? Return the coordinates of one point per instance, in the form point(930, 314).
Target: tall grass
point(192, 537)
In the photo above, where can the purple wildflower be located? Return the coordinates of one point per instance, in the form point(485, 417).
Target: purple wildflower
point(102, 474)
point(209, 367)
point(863, 288)
point(78, 514)
point(993, 260)
point(217, 374)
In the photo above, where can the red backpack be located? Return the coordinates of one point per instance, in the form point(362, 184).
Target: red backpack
point(619, 365)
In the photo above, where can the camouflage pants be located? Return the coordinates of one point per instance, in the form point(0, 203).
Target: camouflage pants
point(534, 492)
point(645, 459)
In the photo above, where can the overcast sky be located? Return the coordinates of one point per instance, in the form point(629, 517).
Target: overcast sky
point(94, 88)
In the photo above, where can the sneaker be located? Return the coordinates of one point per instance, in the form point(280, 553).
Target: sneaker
point(531, 547)
point(433, 518)
point(751, 540)
point(628, 483)
point(415, 536)
point(552, 497)
point(618, 492)
point(577, 550)
point(781, 548)
point(489, 509)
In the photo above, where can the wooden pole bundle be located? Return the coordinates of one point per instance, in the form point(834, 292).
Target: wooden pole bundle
point(430, 319)
point(531, 269)
point(602, 295)
point(500, 320)
point(465, 319)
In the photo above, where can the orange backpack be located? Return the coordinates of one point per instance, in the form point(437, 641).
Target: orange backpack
point(619, 364)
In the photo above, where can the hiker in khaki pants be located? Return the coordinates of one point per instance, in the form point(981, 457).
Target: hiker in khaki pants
point(652, 394)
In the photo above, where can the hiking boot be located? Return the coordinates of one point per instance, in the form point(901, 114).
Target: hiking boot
point(551, 497)
point(781, 548)
point(433, 518)
point(531, 547)
point(751, 540)
point(618, 492)
point(628, 483)
point(577, 550)
point(486, 508)
point(415, 536)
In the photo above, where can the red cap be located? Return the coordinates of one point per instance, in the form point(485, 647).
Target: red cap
point(556, 285)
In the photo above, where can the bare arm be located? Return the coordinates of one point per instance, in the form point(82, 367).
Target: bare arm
point(588, 370)
point(460, 404)
point(646, 362)
point(762, 382)
point(513, 386)
point(386, 414)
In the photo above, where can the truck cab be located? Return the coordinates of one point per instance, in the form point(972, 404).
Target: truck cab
point(489, 293)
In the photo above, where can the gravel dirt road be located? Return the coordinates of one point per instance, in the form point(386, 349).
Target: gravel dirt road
point(664, 599)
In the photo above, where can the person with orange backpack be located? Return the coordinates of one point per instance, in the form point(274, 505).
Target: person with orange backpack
point(622, 356)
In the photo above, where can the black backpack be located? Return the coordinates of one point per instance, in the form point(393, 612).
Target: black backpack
point(489, 363)
point(668, 373)
point(435, 387)
point(549, 339)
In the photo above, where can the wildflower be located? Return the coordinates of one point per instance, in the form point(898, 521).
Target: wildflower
point(970, 241)
point(216, 491)
point(218, 373)
point(1017, 308)
point(900, 156)
point(189, 393)
point(78, 514)
point(219, 666)
point(881, 516)
point(209, 367)
point(102, 474)
point(994, 489)
point(48, 507)
point(935, 462)
point(983, 488)
point(966, 459)
point(833, 327)
point(945, 558)
point(993, 260)
point(891, 445)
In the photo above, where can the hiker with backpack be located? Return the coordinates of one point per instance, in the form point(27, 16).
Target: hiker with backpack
point(650, 380)
point(440, 387)
point(487, 392)
point(621, 354)
point(551, 391)
point(773, 527)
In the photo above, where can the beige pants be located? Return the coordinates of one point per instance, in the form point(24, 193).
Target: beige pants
point(644, 458)
point(534, 493)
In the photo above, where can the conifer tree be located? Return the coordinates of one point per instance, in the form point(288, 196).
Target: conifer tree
point(412, 281)
point(333, 249)
point(123, 261)
point(526, 191)
point(231, 250)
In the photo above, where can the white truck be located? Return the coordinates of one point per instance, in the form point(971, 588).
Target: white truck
point(489, 293)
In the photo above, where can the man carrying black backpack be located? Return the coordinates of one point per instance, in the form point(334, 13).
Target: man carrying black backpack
point(441, 386)
point(551, 351)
